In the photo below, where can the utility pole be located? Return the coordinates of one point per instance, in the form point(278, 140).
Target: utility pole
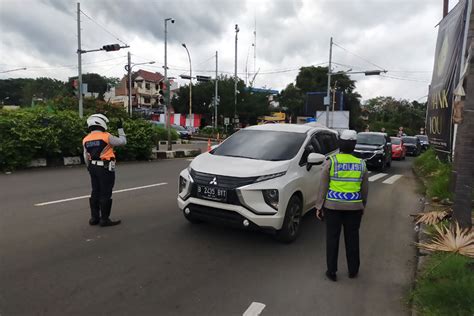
point(235, 73)
point(464, 150)
point(190, 86)
point(327, 100)
point(129, 71)
point(216, 100)
point(445, 7)
point(79, 60)
point(167, 95)
point(333, 103)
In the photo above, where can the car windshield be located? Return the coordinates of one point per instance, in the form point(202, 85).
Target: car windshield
point(422, 137)
point(396, 141)
point(370, 139)
point(261, 145)
point(409, 140)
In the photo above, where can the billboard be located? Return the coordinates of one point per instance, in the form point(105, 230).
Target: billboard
point(445, 78)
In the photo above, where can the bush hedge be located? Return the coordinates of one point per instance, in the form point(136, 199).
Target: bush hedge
point(42, 132)
point(437, 174)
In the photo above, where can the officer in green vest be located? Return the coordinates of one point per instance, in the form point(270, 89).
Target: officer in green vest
point(341, 201)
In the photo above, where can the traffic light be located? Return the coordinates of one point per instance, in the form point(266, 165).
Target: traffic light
point(111, 47)
point(203, 78)
point(161, 93)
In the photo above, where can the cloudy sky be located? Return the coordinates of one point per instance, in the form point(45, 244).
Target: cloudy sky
point(396, 35)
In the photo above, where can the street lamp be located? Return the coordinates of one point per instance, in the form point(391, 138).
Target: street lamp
point(190, 86)
point(168, 125)
point(128, 68)
point(235, 73)
point(11, 70)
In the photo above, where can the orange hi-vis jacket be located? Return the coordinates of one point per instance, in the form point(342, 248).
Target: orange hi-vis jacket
point(98, 146)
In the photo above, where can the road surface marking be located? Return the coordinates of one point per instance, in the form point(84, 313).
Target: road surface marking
point(392, 179)
point(88, 196)
point(377, 176)
point(254, 309)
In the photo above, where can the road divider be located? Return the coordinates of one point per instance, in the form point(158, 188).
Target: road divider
point(88, 196)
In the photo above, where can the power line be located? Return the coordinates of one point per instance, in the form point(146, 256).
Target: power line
point(364, 59)
point(404, 79)
point(103, 28)
point(66, 66)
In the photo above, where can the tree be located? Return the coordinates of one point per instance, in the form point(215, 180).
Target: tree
point(291, 100)
point(390, 113)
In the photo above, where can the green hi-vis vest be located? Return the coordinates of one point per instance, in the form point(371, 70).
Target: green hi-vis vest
point(345, 178)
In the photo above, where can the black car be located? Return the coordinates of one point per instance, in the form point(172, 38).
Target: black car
point(182, 132)
point(425, 143)
point(375, 149)
point(412, 144)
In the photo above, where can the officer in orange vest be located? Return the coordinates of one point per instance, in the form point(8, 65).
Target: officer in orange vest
point(99, 157)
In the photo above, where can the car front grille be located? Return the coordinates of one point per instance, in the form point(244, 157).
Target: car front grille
point(363, 155)
point(224, 182)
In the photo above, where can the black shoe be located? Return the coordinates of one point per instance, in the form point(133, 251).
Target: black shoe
point(331, 276)
point(108, 222)
point(353, 275)
point(93, 221)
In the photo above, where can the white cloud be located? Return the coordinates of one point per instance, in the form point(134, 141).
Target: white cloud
point(398, 35)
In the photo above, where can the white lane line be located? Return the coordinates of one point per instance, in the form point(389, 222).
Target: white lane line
point(377, 176)
point(88, 196)
point(393, 179)
point(254, 309)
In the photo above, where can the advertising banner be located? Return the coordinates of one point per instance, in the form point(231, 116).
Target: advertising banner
point(445, 78)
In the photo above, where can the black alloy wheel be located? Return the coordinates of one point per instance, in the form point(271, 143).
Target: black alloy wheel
point(292, 222)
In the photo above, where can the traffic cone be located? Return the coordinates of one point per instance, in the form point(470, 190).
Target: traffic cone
point(208, 144)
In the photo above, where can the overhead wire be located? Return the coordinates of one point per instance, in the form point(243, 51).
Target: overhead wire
point(364, 59)
point(103, 28)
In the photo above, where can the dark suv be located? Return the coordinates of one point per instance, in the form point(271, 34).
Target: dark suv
point(412, 144)
point(425, 143)
point(375, 149)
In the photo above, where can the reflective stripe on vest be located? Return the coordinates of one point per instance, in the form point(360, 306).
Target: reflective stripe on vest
point(98, 147)
point(345, 178)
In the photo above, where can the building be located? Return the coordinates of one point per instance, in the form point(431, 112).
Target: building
point(145, 91)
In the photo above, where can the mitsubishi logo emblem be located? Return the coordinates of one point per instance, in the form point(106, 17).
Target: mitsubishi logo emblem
point(213, 181)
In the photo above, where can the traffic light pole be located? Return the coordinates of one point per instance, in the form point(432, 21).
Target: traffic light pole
point(216, 94)
point(328, 95)
point(79, 60)
point(129, 71)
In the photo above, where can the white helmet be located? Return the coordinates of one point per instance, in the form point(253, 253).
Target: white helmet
point(97, 120)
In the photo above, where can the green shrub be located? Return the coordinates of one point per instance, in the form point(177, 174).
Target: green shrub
point(446, 286)
point(436, 173)
point(44, 132)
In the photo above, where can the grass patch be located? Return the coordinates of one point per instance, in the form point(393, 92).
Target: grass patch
point(436, 174)
point(446, 286)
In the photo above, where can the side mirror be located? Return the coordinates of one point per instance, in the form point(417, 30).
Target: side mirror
point(315, 159)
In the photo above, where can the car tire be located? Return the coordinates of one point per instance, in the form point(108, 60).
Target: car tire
point(292, 222)
point(192, 219)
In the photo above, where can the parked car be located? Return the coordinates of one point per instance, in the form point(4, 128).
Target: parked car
point(398, 148)
point(412, 145)
point(182, 132)
point(263, 176)
point(425, 143)
point(375, 148)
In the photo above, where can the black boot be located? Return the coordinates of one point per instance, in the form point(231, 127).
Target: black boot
point(105, 209)
point(95, 211)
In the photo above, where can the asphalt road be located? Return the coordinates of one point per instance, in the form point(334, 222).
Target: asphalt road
point(156, 263)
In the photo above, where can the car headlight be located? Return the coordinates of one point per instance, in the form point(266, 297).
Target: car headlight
point(379, 152)
point(182, 183)
point(271, 197)
point(270, 176)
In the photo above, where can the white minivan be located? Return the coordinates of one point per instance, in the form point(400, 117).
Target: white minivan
point(263, 176)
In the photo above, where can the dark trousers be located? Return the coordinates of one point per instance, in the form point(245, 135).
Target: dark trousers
point(335, 220)
point(102, 181)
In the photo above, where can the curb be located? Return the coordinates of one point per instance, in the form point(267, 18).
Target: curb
point(171, 154)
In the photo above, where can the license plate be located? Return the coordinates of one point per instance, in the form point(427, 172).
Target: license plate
point(212, 193)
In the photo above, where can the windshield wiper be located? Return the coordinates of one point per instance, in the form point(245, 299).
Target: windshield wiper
point(237, 156)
